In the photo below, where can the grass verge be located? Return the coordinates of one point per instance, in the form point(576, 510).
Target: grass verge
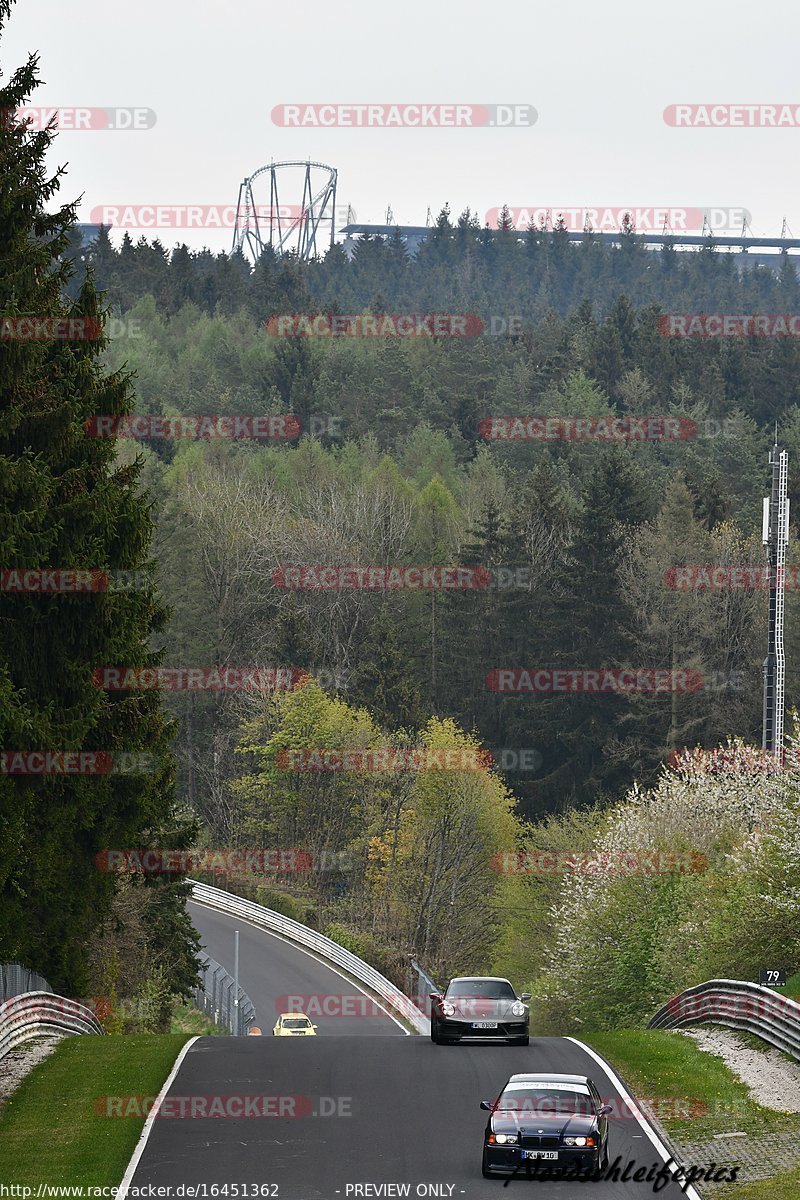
point(696, 1097)
point(190, 1021)
point(50, 1129)
point(779, 1187)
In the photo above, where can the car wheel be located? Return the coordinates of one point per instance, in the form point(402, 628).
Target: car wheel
point(485, 1171)
point(435, 1033)
point(602, 1167)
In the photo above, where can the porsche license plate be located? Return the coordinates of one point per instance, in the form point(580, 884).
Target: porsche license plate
point(550, 1154)
point(484, 1024)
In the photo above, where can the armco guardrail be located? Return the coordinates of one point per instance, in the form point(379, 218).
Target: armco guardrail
point(739, 1004)
point(39, 1014)
point(327, 949)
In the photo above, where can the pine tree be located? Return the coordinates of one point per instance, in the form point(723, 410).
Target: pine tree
point(505, 219)
point(383, 682)
point(66, 504)
point(588, 625)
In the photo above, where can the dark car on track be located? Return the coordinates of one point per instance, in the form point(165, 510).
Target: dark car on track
point(547, 1120)
point(474, 1006)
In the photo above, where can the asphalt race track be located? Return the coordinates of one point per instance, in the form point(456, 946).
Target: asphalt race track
point(401, 1111)
point(270, 969)
point(343, 1115)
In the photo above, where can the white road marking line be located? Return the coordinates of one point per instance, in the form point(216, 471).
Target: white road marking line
point(122, 1191)
point(691, 1191)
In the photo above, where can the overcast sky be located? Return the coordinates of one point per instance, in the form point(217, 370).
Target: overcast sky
point(598, 78)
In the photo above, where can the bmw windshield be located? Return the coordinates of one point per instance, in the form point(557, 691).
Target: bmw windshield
point(546, 1101)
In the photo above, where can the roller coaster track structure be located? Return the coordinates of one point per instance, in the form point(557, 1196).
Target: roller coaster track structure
point(296, 226)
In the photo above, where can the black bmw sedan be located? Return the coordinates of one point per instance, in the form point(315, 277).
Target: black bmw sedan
point(550, 1120)
point(479, 1006)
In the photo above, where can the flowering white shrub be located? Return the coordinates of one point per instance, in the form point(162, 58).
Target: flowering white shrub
point(624, 940)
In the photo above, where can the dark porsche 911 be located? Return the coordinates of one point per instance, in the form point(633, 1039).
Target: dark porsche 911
point(479, 1006)
point(546, 1120)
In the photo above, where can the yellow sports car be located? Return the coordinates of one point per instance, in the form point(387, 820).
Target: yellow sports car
point(294, 1025)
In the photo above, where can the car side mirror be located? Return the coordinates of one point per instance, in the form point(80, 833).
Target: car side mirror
point(313, 1027)
point(487, 1105)
point(604, 1110)
point(436, 995)
point(525, 996)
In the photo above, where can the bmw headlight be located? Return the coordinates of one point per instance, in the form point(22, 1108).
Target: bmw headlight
point(518, 1008)
point(578, 1141)
point(448, 1009)
point(503, 1139)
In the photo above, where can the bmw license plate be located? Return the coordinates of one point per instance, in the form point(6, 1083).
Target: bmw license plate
point(551, 1154)
point(484, 1024)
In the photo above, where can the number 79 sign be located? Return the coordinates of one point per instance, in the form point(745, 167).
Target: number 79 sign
point(772, 977)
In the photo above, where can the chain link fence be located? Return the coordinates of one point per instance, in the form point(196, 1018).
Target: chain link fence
point(16, 980)
point(216, 996)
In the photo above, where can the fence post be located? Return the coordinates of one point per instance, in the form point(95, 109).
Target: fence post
point(236, 983)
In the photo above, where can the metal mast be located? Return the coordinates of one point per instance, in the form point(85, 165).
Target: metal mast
point(775, 535)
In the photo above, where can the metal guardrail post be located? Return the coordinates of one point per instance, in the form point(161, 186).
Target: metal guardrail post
point(423, 978)
point(236, 983)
